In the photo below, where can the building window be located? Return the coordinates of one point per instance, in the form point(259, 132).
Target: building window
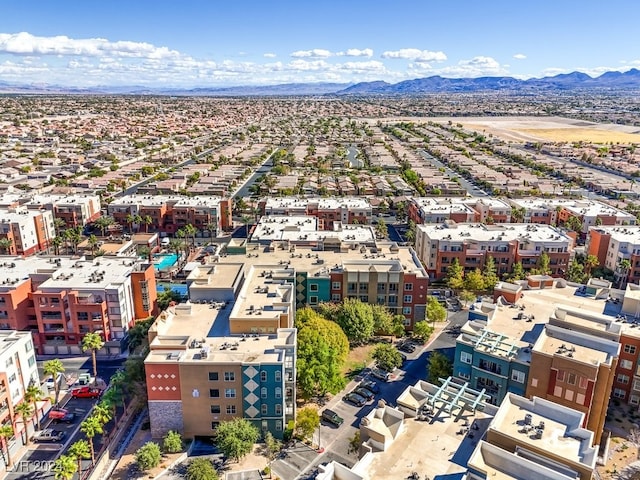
point(336, 286)
point(408, 299)
point(278, 376)
point(229, 376)
point(313, 287)
point(619, 393)
point(263, 392)
point(634, 399)
point(636, 385)
point(560, 376)
point(264, 409)
point(278, 409)
point(215, 425)
point(278, 426)
point(313, 300)
point(464, 376)
point(336, 297)
point(408, 286)
point(12, 378)
point(393, 287)
point(231, 409)
point(265, 425)
point(213, 376)
point(364, 287)
point(629, 348)
point(584, 382)
point(215, 408)
point(406, 310)
point(278, 392)
point(31, 361)
point(571, 379)
point(229, 393)
point(214, 393)
point(9, 362)
point(466, 357)
point(626, 364)
point(517, 376)
point(624, 379)
point(263, 376)
point(29, 346)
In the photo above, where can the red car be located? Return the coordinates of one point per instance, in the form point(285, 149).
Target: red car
point(86, 392)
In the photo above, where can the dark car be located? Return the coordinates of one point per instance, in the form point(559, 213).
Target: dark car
point(365, 393)
point(332, 417)
point(407, 347)
point(355, 399)
point(370, 385)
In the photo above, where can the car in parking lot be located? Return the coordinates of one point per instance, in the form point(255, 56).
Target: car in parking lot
point(331, 417)
point(407, 347)
point(355, 399)
point(63, 415)
point(86, 392)
point(50, 382)
point(380, 374)
point(365, 393)
point(48, 435)
point(370, 385)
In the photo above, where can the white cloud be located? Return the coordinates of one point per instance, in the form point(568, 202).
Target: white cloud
point(356, 52)
point(26, 44)
point(519, 56)
point(315, 53)
point(416, 55)
point(269, 55)
point(475, 67)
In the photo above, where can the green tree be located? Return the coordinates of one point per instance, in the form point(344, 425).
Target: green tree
point(92, 341)
point(33, 395)
point(466, 296)
point(165, 298)
point(411, 232)
point(103, 412)
point(91, 427)
point(543, 267)
point(474, 281)
point(624, 266)
point(356, 320)
point(25, 410)
point(455, 276)
point(387, 357)
point(381, 229)
point(64, 468)
point(103, 223)
point(80, 450)
point(435, 311)
point(422, 330)
point(93, 242)
point(235, 438)
point(6, 433)
point(573, 223)
point(172, 442)
point(332, 333)
point(439, 366)
point(138, 334)
point(307, 420)
point(54, 368)
point(385, 323)
point(575, 272)
point(490, 274)
point(201, 469)
point(518, 272)
point(6, 246)
point(272, 447)
point(590, 263)
point(148, 456)
point(319, 364)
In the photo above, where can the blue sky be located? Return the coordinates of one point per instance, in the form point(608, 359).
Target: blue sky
point(191, 43)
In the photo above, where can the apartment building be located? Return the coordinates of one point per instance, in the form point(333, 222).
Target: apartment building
point(612, 245)
point(18, 370)
point(218, 359)
point(26, 231)
point(347, 210)
point(61, 298)
point(459, 209)
point(438, 246)
point(168, 213)
point(75, 210)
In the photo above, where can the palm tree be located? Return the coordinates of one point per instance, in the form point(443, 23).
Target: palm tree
point(25, 410)
point(246, 219)
point(176, 245)
point(6, 432)
point(103, 223)
point(57, 242)
point(137, 219)
point(110, 400)
point(624, 266)
point(80, 450)
point(103, 412)
point(6, 246)
point(129, 220)
point(54, 368)
point(212, 227)
point(59, 224)
point(147, 220)
point(145, 252)
point(93, 244)
point(74, 235)
point(64, 468)
point(93, 341)
point(190, 231)
point(33, 395)
point(91, 427)
point(590, 263)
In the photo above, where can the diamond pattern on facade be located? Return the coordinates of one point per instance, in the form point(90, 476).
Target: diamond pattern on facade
point(173, 388)
point(173, 375)
point(251, 385)
point(300, 287)
point(251, 398)
point(251, 372)
point(300, 297)
point(153, 375)
point(252, 411)
point(153, 388)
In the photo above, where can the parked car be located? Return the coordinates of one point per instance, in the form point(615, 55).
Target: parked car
point(61, 415)
point(365, 393)
point(370, 385)
point(332, 417)
point(50, 382)
point(86, 392)
point(355, 399)
point(380, 374)
point(407, 347)
point(48, 435)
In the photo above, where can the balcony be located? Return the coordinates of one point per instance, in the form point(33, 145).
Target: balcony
point(490, 367)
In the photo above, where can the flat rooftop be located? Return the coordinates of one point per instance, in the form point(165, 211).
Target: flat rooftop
point(266, 294)
point(500, 232)
point(217, 275)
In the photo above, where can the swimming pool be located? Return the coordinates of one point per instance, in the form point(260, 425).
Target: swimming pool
point(165, 260)
point(180, 288)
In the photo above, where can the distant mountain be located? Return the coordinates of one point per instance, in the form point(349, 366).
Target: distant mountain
point(566, 81)
point(608, 81)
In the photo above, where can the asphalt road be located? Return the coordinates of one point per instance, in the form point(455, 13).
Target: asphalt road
point(472, 189)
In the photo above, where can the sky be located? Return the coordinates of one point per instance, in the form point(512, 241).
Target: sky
point(216, 43)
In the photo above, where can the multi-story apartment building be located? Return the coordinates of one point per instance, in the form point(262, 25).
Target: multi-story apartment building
point(168, 213)
point(60, 299)
point(218, 359)
point(440, 245)
point(18, 370)
point(28, 231)
point(459, 209)
point(75, 210)
point(612, 245)
point(347, 210)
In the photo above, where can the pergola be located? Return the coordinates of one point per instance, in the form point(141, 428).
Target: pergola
point(455, 395)
point(496, 343)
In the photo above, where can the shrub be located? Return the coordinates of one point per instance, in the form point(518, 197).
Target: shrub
point(148, 456)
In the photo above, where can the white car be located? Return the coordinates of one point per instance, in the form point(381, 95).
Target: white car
point(50, 382)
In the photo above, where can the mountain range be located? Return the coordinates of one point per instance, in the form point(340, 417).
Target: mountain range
point(608, 81)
